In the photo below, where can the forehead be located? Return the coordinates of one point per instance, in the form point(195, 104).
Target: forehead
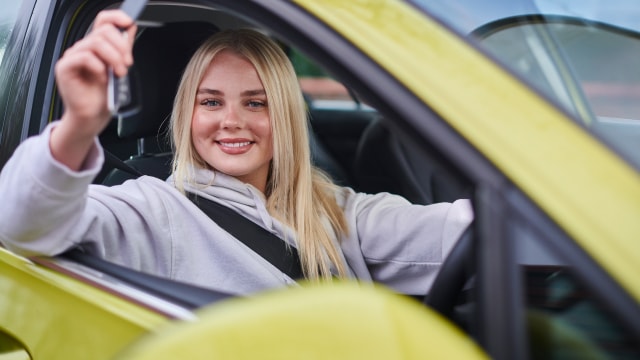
point(230, 69)
point(229, 60)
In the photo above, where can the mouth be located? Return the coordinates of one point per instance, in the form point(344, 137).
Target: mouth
point(235, 144)
point(235, 147)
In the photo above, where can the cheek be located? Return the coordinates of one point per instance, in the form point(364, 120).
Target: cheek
point(201, 126)
point(264, 130)
point(199, 131)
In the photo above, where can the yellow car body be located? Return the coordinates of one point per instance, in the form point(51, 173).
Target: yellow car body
point(393, 34)
point(49, 310)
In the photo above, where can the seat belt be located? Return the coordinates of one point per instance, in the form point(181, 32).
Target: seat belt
point(117, 163)
point(257, 238)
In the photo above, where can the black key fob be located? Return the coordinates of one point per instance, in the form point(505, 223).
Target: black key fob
point(119, 89)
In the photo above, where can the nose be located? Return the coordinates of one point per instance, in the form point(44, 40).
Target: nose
point(231, 118)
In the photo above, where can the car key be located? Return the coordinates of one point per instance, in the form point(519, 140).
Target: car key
point(118, 89)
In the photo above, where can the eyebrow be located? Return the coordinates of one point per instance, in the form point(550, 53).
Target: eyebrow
point(245, 93)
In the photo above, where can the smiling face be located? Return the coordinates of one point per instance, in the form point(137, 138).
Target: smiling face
point(230, 128)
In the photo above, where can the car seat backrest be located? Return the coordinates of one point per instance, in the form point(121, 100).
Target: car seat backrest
point(321, 158)
point(161, 54)
point(387, 163)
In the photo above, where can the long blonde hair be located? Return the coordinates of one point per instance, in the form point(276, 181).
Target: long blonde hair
point(298, 194)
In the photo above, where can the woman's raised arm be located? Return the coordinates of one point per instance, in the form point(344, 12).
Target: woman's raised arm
point(81, 76)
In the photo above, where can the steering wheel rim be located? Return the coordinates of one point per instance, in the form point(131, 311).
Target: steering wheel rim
point(453, 275)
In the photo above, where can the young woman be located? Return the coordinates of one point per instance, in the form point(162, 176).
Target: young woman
point(240, 138)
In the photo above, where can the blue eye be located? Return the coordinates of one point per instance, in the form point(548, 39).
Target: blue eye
point(256, 104)
point(210, 103)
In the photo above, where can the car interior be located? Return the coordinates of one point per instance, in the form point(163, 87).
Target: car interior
point(349, 140)
point(139, 135)
point(354, 146)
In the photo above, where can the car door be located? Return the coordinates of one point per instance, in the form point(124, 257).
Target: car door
point(452, 118)
point(12, 30)
point(502, 185)
point(51, 308)
point(536, 287)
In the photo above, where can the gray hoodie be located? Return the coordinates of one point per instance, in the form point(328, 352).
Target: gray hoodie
point(146, 224)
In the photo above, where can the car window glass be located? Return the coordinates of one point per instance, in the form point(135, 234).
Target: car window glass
point(375, 156)
point(8, 17)
point(581, 55)
point(337, 118)
point(320, 89)
point(564, 319)
point(597, 76)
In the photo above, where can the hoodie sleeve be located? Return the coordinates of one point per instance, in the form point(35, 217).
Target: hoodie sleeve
point(42, 197)
point(54, 209)
point(399, 244)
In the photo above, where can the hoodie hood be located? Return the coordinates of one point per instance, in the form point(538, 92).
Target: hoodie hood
point(241, 197)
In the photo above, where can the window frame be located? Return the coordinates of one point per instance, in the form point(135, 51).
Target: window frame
point(500, 294)
point(12, 68)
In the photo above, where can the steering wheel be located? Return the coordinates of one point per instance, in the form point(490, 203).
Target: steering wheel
point(456, 270)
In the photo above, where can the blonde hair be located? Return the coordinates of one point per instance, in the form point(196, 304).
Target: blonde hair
point(298, 194)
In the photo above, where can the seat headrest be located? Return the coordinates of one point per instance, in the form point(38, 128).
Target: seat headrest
point(160, 56)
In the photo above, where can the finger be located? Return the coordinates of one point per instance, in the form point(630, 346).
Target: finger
point(121, 39)
point(82, 64)
point(110, 46)
point(105, 54)
point(85, 66)
point(122, 42)
point(85, 75)
point(117, 18)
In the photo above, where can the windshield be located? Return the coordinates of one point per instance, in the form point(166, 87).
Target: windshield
point(581, 54)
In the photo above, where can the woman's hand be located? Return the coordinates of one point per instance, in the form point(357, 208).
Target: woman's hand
point(81, 76)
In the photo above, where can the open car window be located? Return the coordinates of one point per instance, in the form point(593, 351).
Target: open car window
point(351, 141)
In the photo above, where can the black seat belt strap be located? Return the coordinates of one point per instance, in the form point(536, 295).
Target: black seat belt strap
point(258, 239)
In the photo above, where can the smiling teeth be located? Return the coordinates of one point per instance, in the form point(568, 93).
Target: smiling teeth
point(235, 145)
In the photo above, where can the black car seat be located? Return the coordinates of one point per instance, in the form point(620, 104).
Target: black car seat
point(387, 163)
point(321, 158)
point(161, 55)
point(164, 52)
